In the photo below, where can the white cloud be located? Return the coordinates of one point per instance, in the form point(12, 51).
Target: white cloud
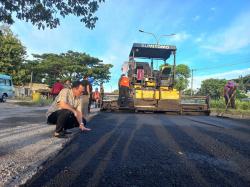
point(180, 37)
point(233, 38)
point(226, 75)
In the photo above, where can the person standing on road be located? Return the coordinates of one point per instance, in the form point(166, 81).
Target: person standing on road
point(123, 89)
point(96, 98)
point(85, 96)
point(90, 80)
point(101, 93)
point(65, 111)
point(56, 88)
point(229, 93)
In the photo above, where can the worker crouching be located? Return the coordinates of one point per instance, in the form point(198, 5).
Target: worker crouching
point(65, 111)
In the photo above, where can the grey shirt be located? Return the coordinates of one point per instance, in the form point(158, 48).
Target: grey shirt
point(67, 96)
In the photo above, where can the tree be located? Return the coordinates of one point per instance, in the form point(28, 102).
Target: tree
point(182, 75)
point(241, 85)
point(12, 54)
point(187, 92)
point(47, 13)
point(73, 65)
point(115, 91)
point(213, 87)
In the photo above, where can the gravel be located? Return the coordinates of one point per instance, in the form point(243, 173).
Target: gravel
point(25, 145)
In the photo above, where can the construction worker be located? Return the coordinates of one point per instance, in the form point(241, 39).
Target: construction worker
point(96, 98)
point(123, 90)
point(229, 94)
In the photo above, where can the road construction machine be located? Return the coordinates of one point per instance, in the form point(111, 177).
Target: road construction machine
point(152, 89)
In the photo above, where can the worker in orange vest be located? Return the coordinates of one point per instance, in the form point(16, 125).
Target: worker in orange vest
point(96, 98)
point(123, 90)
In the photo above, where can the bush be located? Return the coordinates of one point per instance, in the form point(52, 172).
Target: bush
point(243, 105)
point(218, 103)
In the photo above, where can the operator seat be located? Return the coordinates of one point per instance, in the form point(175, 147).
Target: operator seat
point(165, 76)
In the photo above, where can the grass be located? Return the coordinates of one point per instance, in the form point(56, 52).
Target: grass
point(242, 107)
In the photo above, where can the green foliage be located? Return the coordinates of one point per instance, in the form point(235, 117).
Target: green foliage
point(243, 83)
point(182, 75)
point(242, 105)
point(187, 92)
point(240, 95)
point(115, 92)
point(47, 13)
point(12, 54)
point(220, 104)
point(73, 65)
point(182, 70)
point(101, 73)
point(212, 87)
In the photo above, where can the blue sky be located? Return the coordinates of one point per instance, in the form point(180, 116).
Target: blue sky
point(212, 36)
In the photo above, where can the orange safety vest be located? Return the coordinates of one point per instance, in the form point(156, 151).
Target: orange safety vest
point(124, 81)
point(96, 95)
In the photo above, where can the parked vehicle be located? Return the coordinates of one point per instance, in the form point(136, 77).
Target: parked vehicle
point(6, 87)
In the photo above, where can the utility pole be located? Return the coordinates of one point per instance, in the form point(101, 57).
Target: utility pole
point(192, 80)
point(31, 82)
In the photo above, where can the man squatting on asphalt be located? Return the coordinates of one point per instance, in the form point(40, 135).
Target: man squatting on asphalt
point(66, 109)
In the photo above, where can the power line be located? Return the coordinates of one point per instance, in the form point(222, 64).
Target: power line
point(205, 69)
point(221, 65)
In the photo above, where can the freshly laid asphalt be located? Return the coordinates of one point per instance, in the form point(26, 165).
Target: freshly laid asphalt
point(128, 149)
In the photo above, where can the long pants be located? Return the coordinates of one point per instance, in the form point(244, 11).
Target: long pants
point(85, 105)
point(232, 100)
point(97, 103)
point(64, 119)
point(89, 104)
point(123, 95)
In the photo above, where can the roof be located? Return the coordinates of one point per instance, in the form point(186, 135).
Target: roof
point(152, 51)
point(3, 76)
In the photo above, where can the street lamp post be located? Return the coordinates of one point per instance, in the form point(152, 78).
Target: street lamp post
point(157, 42)
point(156, 38)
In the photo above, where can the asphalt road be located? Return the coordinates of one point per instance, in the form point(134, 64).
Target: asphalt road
point(127, 149)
